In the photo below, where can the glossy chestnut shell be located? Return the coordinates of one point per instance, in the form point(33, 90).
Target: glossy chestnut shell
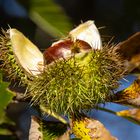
point(64, 49)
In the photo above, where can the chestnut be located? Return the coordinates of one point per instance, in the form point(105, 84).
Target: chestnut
point(65, 49)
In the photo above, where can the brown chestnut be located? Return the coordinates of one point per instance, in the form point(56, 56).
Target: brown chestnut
point(65, 49)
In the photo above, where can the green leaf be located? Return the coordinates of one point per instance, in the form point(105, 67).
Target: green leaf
point(4, 131)
point(53, 130)
point(5, 98)
point(50, 17)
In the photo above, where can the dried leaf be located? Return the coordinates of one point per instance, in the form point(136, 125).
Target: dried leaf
point(130, 95)
point(43, 130)
point(34, 132)
point(130, 50)
point(90, 129)
point(131, 46)
point(131, 114)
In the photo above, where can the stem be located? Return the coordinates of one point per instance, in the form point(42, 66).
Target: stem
point(115, 113)
point(53, 114)
point(107, 110)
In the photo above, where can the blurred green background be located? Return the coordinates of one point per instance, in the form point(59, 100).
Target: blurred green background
point(45, 21)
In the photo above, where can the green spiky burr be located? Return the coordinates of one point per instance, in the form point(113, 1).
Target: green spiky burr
point(76, 73)
point(77, 76)
point(79, 82)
